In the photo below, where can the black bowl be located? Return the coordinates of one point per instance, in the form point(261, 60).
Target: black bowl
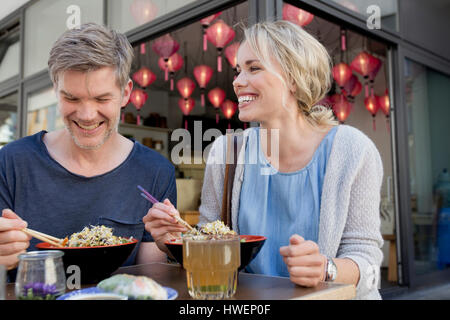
point(96, 263)
point(249, 249)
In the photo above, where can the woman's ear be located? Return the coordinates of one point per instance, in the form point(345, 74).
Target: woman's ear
point(293, 87)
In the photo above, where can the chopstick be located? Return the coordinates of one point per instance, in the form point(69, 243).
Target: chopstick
point(149, 197)
point(44, 237)
point(153, 200)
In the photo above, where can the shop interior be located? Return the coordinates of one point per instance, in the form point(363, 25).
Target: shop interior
point(165, 101)
point(177, 83)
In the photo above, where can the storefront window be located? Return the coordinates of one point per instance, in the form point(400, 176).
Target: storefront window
point(170, 101)
point(369, 9)
point(45, 21)
point(125, 15)
point(43, 112)
point(162, 108)
point(9, 52)
point(9, 59)
point(427, 95)
point(348, 100)
point(8, 118)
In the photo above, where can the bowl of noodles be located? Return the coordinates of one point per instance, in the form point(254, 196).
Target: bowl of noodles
point(95, 250)
point(250, 244)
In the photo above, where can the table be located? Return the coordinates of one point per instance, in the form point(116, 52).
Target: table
point(250, 286)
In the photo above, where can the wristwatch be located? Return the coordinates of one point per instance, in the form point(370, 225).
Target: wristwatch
point(330, 270)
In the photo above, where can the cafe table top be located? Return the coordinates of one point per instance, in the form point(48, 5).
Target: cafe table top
point(249, 287)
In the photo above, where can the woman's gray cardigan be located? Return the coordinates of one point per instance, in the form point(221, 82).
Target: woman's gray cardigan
point(349, 224)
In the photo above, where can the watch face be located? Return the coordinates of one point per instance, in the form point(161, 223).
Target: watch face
point(331, 270)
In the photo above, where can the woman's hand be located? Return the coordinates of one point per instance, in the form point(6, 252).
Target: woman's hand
point(161, 224)
point(305, 264)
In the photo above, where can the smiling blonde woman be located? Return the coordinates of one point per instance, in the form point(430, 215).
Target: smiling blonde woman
point(319, 206)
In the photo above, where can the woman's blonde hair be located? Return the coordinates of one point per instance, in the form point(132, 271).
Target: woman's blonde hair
point(304, 61)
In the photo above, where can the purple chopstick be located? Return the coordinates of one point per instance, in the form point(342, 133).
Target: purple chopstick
point(147, 198)
point(152, 199)
point(147, 195)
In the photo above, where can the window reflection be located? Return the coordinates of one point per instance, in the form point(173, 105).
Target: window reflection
point(46, 21)
point(43, 112)
point(9, 52)
point(429, 156)
point(125, 15)
point(8, 118)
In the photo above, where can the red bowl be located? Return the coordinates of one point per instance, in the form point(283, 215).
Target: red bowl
point(96, 263)
point(249, 249)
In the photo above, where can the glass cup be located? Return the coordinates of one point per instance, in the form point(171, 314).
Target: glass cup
point(211, 264)
point(2, 282)
point(40, 275)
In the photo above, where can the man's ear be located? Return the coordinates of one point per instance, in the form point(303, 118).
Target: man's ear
point(127, 93)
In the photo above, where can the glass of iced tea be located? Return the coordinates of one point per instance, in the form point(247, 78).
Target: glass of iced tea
point(211, 263)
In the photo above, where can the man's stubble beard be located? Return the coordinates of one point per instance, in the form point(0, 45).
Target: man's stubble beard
point(108, 133)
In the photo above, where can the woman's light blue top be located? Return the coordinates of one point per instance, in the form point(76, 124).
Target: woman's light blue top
point(279, 205)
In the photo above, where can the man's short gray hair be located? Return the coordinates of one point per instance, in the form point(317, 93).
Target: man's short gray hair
point(91, 47)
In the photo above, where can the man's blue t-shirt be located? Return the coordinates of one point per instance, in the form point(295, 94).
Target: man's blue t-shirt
point(58, 202)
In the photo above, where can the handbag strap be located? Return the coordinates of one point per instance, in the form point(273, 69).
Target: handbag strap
point(230, 169)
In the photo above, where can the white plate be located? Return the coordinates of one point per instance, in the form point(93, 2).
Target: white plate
point(95, 293)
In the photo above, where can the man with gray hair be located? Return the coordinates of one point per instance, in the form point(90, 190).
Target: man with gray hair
point(87, 173)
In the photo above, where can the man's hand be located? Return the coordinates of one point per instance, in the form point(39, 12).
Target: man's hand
point(13, 241)
point(305, 264)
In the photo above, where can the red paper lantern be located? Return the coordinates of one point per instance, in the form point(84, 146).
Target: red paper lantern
point(138, 97)
point(228, 108)
point(377, 66)
point(203, 74)
point(352, 87)
point(143, 11)
point(216, 96)
point(326, 102)
point(220, 34)
point(186, 106)
point(231, 54)
point(364, 63)
point(144, 77)
point(356, 90)
point(174, 63)
point(341, 107)
point(341, 74)
point(205, 24)
point(384, 103)
point(296, 15)
point(385, 106)
point(371, 104)
point(165, 46)
point(185, 87)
